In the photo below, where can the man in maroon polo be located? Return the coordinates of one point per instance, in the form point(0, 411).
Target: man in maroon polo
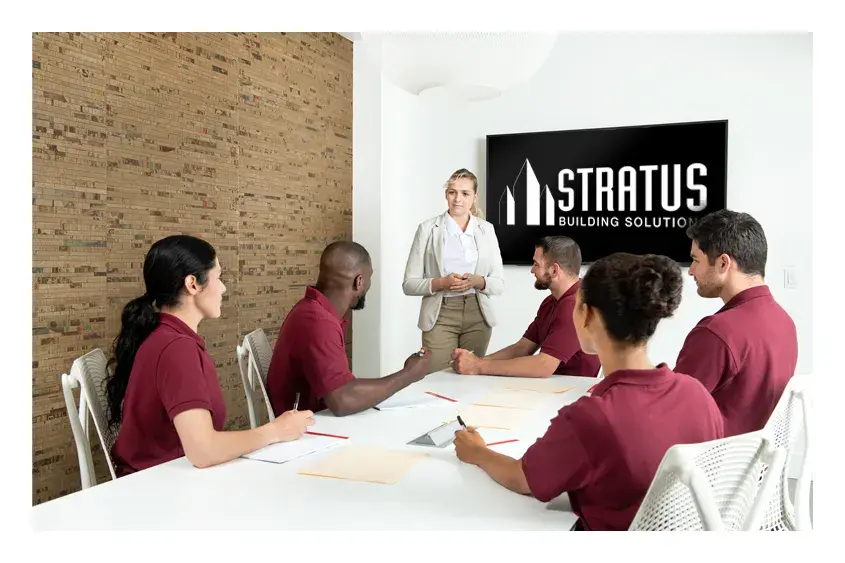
point(309, 358)
point(746, 353)
point(557, 265)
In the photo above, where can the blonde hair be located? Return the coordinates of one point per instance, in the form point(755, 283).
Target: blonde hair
point(459, 175)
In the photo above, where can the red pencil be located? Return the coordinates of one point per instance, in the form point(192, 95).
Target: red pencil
point(502, 442)
point(328, 435)
point(441, 396)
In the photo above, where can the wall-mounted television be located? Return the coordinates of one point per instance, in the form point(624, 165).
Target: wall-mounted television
point(617, 189)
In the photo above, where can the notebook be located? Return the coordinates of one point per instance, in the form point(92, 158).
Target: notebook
point(282, 452)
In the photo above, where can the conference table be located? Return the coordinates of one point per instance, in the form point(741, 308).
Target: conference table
point(439, 492)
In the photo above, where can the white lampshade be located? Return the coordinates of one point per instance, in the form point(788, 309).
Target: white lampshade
point(464, 65)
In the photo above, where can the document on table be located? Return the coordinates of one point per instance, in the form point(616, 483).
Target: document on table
point(370, 464)
point(410, 400)
point(492, 436)
point(527, 400)
point(493, 417)
point(282, 452)
point(540, 385)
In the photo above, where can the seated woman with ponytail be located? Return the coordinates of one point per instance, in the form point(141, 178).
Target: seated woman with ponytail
point(604, 449)
point(163, 389)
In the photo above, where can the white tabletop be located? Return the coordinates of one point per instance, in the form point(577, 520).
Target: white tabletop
point(439, 492)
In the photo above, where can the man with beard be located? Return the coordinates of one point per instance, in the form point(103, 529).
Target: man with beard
point(746, 353)
point(557, 265)
point(309, 359)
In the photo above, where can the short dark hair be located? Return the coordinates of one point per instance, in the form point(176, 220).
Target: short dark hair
point(563, 251)
point(352, 255)
point(633, 293)
point(736, 234)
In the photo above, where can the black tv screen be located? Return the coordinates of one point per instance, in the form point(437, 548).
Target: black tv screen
point(620, 189)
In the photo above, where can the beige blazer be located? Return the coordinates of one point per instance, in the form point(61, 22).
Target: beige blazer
point(425, 262)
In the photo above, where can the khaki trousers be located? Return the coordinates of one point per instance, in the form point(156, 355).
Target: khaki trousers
point(460, 324)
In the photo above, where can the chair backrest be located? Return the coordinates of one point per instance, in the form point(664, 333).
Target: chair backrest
point(712, 485)
point(254, 362)
point(789, 421)
point(89, 373)
point(260, 352)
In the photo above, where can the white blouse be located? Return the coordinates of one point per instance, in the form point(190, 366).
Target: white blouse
point(460, 253)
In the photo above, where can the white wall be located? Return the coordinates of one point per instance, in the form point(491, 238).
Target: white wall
point(366, 199)
point(401, 189)
point(761, 84)
point(385, 145)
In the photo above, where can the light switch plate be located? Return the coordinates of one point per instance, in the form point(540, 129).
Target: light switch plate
point(790, 278)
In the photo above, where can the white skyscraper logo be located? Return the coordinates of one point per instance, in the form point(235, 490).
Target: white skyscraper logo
point(532, 199)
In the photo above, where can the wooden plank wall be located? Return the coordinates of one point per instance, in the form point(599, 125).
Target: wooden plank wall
point(243, 139)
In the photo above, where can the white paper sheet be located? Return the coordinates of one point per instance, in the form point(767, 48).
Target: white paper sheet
point(411, 400)
point(527, 400)
point(494, 417)
point(282, 452)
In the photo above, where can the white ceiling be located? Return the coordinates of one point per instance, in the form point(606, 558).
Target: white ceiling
point(471, 66)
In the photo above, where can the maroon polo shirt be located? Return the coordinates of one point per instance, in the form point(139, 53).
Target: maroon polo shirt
point(310, 355)
point(744, 355)
point(554, 331)
point(172, 373)
point(604, 449)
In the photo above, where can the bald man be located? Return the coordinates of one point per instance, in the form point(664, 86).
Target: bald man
point(310, 355)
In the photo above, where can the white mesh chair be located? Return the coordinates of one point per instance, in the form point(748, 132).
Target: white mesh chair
point(88, 372)
point(789, 421)
point(254, 362)
point(712, 485)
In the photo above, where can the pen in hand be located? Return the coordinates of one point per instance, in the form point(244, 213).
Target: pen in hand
point(296, 402)
point(452, 362)
point(461, 422)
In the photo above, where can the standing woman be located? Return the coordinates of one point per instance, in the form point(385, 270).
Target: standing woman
point(455, 265)
point(163, 389)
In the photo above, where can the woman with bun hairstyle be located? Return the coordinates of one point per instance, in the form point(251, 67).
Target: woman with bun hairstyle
point(163, 390)
point(604, 449)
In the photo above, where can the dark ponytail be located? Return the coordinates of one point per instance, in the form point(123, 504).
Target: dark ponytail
point(137, 322)
point(167, 264)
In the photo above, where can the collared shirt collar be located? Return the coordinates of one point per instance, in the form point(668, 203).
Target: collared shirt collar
point(179, 326)
point(453, 228)
point(633, 377)
point(312, 292)
point(746, 296)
